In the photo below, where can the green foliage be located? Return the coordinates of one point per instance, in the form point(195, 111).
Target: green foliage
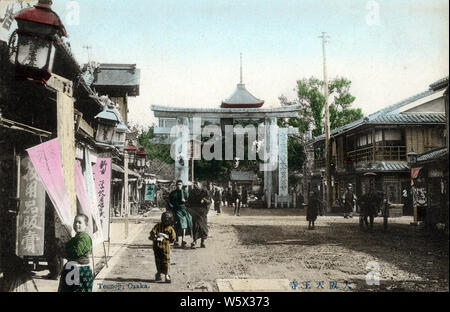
point(155, 151)
point(311, 100)
point(219, 170)
point(312, 104)
point(296, 154)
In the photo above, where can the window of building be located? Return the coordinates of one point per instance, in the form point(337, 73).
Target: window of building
point(392, 135)
point(379, 136)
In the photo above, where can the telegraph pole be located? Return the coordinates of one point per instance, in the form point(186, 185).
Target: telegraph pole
point(327, 126)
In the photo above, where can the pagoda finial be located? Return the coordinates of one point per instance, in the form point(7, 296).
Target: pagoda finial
point(241, 68)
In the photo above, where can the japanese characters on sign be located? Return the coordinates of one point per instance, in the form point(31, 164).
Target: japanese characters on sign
point(149, 192)
point(8, 8)
point(102, 178)
point(31, 216)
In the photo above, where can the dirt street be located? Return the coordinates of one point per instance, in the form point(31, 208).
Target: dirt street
point(276, 244)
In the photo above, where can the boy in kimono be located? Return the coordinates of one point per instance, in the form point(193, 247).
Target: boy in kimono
point(162, 236)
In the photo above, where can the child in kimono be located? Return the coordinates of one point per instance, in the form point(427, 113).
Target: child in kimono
point(77, 274)
point(162, 236)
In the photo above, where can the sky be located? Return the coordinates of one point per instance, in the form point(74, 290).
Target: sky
point(189, 50)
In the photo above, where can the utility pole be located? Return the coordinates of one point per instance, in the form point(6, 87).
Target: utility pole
point(125, 187)
point(328, 187)
point(87, 47)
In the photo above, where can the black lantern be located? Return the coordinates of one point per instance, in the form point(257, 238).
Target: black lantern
point(130, 152)
point(39, 32)
point(107, 121)
point(412, 157)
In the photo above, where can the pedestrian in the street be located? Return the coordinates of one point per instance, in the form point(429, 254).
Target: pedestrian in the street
point(236, 199)
point(349, 200)
point(182, 217)
point(162, 236)
point(369, 204)
point(198, 206)
point(229, 197)
point(77, 251)
point(244, 197)
point(217, 200)
point(314, 206)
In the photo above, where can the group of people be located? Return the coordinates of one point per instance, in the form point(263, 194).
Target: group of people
point(187, 214)
point(236, 197)
point(369, 204)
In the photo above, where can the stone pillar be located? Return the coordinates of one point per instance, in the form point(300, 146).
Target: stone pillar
point(283, 182)
point(271, 148)
point(181, 150)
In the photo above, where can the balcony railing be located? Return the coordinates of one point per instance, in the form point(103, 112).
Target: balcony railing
point(320, 163)
point(378, 153)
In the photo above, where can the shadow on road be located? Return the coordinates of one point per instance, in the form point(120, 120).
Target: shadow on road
point(130, 280)
point(140, 246)
point(422, 253)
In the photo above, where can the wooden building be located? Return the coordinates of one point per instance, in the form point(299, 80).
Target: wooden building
point(375, 148)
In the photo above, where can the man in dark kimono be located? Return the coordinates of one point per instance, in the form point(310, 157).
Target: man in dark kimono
point(182, 217)
point(229, 197)
point(244, 197)
point(369, 204)
point(236, 198)
point(217, 200)
point(314, 207)
point(349, 201)
point(198, 206)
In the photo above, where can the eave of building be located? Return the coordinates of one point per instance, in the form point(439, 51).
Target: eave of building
point(435, 155)
point(250, 113)
point(382, 116)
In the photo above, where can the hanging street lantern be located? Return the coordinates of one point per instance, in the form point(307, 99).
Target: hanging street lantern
point(120, 135)
point(107, 121)
point(412, 158)
point(130, 152)
point(141, 157)
point(39, 34)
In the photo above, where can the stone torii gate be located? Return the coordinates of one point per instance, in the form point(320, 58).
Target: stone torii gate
point(276, 184)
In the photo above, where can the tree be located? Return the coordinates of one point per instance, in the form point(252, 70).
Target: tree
point(311, 115)
point(154, 150)
point(312, 104)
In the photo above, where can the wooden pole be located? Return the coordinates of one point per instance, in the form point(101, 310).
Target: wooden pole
point(125, 186)
point(327, 127)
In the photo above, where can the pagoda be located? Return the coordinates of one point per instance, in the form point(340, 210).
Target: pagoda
point(242, 98)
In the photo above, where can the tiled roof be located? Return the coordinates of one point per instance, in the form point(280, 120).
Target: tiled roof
point(440, 84)
point(390, 115)
point(384, 166)
point(432, 155)
point(118, 75)
point(410, 118)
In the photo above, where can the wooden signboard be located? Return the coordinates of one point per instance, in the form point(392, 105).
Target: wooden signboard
point(31, 216)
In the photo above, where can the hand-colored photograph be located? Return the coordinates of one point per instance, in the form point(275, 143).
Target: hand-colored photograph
point(224, 147)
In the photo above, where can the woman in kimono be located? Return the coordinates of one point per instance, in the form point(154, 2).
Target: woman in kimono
point(77, 275)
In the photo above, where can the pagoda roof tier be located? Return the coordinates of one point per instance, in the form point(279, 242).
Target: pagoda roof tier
point(242, 98)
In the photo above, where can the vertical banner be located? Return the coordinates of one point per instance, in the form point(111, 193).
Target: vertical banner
point(83, 200)
point(102, 177)
point(47, 163)
point(149, 192)
point(31, 216)
point(98, 234)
